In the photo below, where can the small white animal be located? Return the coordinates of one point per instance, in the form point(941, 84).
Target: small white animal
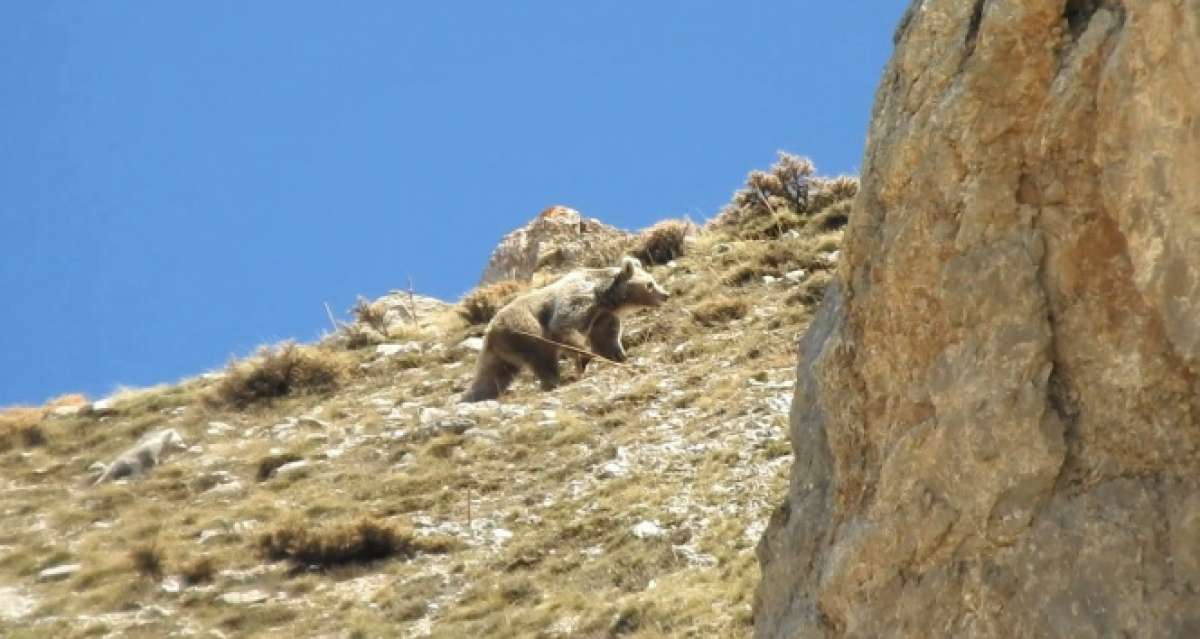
point(148, 453)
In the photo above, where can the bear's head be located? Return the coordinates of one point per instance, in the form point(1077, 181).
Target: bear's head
point(634, 286)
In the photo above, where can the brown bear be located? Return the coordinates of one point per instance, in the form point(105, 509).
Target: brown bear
point(581, 309)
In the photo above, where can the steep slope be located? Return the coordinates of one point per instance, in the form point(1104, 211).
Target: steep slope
point(995, 422)
point(361, 500)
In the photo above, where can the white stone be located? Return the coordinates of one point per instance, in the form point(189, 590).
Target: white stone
point(209, 534)
point(613, 469)
point(501, 535)
point(430, 416)
point(228, 488)
point(218, 428)
point(292, 469)
point(312, 422)
point(795, 276)
point(488, 408)
point(391, 350)
point(245, 597)
point(56, 573)
point(15, 605)
point(509, 411)
point(171, 585)
point(472, 344)
point(102, 407)
point(647, 529)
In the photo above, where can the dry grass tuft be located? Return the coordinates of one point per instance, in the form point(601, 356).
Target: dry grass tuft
point(721, 310)
point(368, 327)
point(200, 570)
point(812, 291)
point(370, 313)
point(832, 218)
point(481, 305)
point(21, 426)
point(358, 541)
point(663, 242)
point(284, 370)
point(147, 560)
point(361, 336)
point(827, 191)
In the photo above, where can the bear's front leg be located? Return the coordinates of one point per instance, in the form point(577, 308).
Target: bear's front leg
point(605, 338)
point(544, 362)
point(577, 341)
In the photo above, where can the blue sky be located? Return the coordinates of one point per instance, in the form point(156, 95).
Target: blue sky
point(180, 182)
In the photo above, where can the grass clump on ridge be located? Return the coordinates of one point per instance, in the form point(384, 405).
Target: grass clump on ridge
point(663, 242)
point(721, 310)
point(147, 560)
point(357, 541)
point(370, 313)
point(199, 570)
point(368, 327)
point(775, 202)
point(287, 369)
point(21, 426)
point(481, 305)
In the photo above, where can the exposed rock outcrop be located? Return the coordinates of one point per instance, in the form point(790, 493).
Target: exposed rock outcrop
point(997, 413)
point(401, 308)
point(558, 238)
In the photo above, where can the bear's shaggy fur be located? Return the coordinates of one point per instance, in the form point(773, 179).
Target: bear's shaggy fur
point(581, 309)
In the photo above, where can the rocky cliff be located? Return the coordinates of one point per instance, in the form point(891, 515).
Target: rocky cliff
point(996, 420)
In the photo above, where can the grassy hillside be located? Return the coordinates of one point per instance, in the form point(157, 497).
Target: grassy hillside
point(338, 490)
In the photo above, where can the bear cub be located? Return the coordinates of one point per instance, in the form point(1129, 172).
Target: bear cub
point(581, 309)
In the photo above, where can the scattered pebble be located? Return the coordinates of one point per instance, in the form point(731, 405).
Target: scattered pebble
point(245, 597)
point(472, 344)
point(390, 350)
point(59, 572)
point(647, 529)
point(293, 469)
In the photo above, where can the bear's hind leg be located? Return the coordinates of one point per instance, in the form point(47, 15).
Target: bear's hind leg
point(492, 377)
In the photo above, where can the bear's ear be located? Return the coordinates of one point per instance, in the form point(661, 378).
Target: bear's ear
point(629, 266)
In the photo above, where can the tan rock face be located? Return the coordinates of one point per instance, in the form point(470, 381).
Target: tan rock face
point(554, 240)
point(997, 413)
